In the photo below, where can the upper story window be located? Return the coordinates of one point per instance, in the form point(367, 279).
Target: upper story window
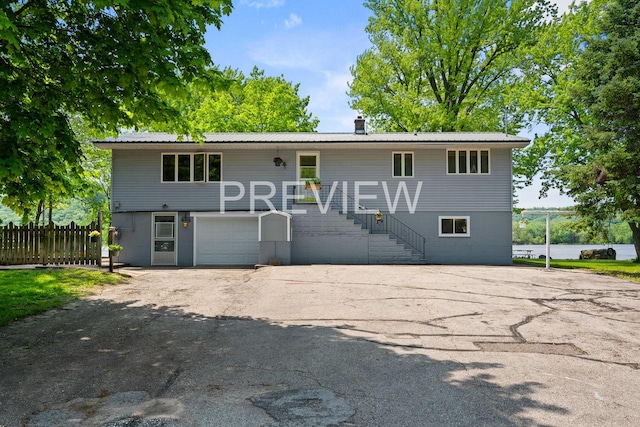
point(467, 161)
point(402, 164)
point(194, 167)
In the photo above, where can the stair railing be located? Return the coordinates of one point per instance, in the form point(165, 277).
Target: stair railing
point(374, 222)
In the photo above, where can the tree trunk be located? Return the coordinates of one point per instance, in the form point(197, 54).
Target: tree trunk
point(635, 235)
point(40, 211)
point(50, 209)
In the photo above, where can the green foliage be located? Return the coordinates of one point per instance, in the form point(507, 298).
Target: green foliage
point(585, 75)
point(609, 178)
point(567, 230)
point(112, 63)
point(66, 211)
point(90, 188)
point(444, 65)
point(627, 270)
point(27, 292)
point(548, 92)
point(249, 104)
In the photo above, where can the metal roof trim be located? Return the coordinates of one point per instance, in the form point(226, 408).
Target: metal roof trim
point(293, 139)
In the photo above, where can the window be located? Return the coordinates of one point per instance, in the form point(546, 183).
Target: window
point(467, 161)
point(308, 166)
point(164, 233)
point(197, 167)
point(215, 167)
point(402, 164)
point(453, 226)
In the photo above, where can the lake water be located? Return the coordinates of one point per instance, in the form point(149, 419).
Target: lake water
point(573, 251)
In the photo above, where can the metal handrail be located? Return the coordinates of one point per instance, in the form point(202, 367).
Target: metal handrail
point(384, 224)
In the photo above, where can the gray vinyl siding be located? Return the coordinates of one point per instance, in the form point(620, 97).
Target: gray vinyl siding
point(134, 234)
point(489, 241)
point(137, 186)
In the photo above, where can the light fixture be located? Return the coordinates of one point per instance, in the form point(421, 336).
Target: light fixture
point(186, 220)
point(278, 161)
point(378, 216)
point(165, 206)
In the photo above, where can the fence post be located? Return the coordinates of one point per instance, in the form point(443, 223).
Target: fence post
point(45, 245)
point(112, 230)
point(99, 253)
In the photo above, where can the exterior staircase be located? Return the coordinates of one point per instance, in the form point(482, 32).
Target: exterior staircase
point(355, 237)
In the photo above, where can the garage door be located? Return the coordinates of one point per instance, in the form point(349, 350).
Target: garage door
point(227, 241)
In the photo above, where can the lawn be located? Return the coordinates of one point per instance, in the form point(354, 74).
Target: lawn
point(27, 292)
point(623, 269)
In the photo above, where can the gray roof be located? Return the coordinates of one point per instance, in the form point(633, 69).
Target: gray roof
point(166, 141)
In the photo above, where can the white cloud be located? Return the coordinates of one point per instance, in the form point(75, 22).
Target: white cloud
point(313, 51)
point(563, 5)
point(330, 90)
point(293, 21)
point(262, 4)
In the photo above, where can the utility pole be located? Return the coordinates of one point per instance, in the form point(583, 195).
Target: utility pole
point(548, 236)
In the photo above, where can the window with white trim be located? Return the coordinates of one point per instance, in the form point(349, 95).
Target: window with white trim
point(191, 167)
point(402, 164)
point(453, 226)
point(468, 162)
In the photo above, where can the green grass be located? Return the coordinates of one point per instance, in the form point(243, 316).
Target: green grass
point(27, 292)
point(623, 269)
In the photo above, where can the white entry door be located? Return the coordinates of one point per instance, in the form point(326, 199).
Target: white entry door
point(163, 249)
point(227, 241)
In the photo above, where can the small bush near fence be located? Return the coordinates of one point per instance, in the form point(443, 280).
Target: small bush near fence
point(49, 244)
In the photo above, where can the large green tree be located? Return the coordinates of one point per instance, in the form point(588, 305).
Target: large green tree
point(113, 62)
point(607, 181)
point(256, 103)
point(547, 91)
point(443, 65)
point(585, 75)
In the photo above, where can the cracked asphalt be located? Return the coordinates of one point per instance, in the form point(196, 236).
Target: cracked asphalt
point(331, 346)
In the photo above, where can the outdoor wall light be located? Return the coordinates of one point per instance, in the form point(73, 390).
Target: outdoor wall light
point(278, 161)
point(378, 216)
point(186, 220)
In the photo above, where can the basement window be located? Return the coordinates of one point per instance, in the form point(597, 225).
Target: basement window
point(450, 226)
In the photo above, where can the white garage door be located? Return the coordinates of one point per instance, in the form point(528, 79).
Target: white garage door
point(227, 241)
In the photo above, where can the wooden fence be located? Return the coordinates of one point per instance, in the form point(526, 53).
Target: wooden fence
point(50, 244)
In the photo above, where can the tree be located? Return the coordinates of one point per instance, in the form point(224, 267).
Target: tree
point(114, 63)
point(251, 104)
point(443, 65)
point(588, 92)
point(608, 180)
point(547, 91)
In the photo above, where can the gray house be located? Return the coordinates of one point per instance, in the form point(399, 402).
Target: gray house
point(310, 198)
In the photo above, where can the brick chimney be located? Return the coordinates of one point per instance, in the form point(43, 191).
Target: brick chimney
point(360, 122)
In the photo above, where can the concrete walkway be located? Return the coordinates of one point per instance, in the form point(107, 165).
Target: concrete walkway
point(332, 345)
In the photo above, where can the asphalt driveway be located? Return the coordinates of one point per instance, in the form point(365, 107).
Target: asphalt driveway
point(331, 345)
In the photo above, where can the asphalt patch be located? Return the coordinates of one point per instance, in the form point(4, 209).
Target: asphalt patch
point(311, 407)
point(564, 349)
point(127, 409)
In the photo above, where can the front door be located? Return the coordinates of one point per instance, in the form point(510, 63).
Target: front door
point(164, 249)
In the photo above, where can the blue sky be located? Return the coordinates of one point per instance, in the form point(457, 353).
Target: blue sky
point(312, 42)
